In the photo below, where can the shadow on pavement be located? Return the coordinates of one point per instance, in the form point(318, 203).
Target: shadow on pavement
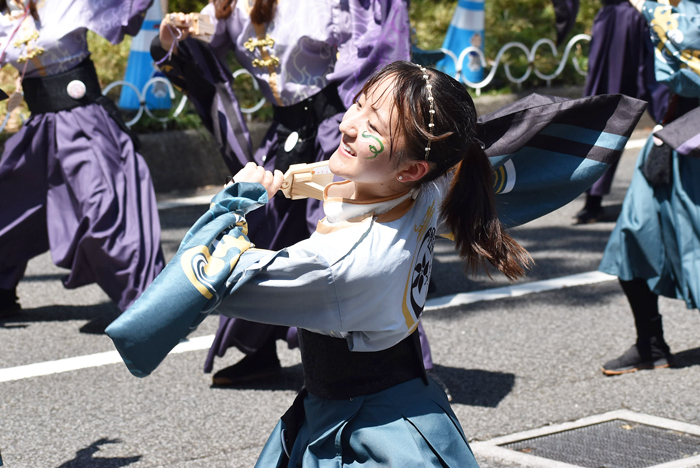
point(563, 238)
point(98, 316)
point(292, 378)
point(181, 217)
point(558, 251)
point(84, 457)
point(611, 213)
point(51, 277)
point(475, 387)
point(688, 358)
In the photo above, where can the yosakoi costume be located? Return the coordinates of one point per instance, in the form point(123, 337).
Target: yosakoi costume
point(621, 60)
point(656, 237)
point(309, 62)
point(71, 180)
point(357, 287)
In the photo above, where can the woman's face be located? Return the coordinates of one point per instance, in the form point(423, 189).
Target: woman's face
point(367, 139)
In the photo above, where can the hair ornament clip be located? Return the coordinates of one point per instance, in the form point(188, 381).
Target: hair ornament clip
point(431, 112)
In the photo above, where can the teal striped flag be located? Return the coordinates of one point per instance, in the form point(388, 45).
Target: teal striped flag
point(546, 150)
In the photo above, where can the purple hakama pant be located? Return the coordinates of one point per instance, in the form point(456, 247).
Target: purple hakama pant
point(621, 61)
point(71, 182)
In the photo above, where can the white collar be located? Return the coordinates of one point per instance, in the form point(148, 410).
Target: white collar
point(340, 209)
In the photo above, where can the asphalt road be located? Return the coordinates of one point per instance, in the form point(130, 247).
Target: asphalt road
point(511, 364)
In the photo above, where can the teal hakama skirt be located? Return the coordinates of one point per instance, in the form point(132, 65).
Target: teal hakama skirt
point(407, 425)
point(657, 236)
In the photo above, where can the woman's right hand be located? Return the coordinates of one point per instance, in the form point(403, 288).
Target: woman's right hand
point(251, 172)
point(174, 28)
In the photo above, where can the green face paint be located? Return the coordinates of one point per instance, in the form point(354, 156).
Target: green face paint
point(373, 149)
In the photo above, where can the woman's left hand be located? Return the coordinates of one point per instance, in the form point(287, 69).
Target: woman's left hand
point(254, 173)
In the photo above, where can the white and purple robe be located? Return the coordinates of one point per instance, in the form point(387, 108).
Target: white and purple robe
point(72, 180)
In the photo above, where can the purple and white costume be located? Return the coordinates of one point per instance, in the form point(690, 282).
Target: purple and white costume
point(311, 51)
point(77, 185)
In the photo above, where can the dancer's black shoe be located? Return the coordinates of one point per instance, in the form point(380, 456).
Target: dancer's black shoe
point(261, 365)
point(589, 216)
point(592, 211)
point(8, 303)
point(653, 353)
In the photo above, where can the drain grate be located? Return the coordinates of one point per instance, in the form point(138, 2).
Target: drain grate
point(619, 439)
point(613, 444)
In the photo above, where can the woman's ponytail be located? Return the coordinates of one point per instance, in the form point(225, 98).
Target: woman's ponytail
point(470, 213)
point(263, 11)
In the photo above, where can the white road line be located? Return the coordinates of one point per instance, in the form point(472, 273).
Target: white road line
point(635, 144)
point(580, 279)
point(91, 360)
point(206, 199)
point(204, 342)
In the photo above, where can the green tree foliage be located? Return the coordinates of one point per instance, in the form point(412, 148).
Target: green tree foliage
point(186, 6)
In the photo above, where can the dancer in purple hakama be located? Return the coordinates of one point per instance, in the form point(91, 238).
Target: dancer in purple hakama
point(310, 59)
point(621, 60)
point(77, 185)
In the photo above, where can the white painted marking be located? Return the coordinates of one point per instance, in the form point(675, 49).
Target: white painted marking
point(186, 201)
point(635, 144)
point(91, 360)
point(589, 277)
point(204, 342)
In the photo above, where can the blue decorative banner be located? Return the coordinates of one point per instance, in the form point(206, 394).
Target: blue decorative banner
point(140, 67)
